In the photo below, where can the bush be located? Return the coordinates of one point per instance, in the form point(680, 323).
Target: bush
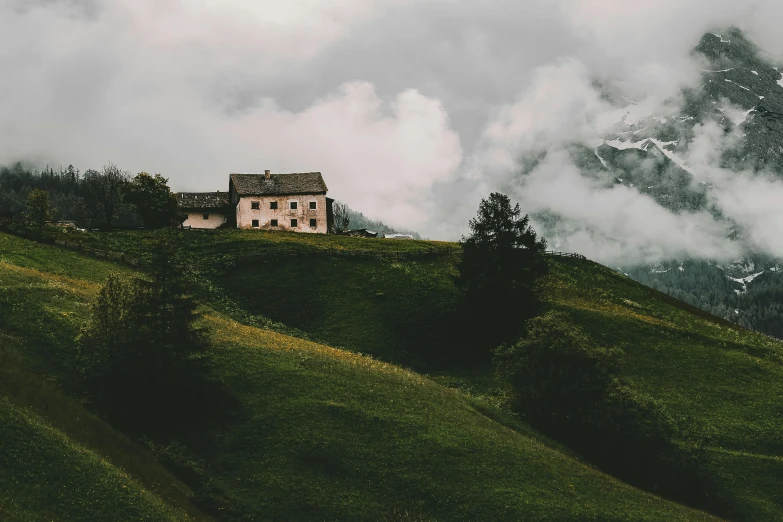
point(142, 358)
point(569, 388)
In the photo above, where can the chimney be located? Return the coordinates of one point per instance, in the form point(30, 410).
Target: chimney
point(267, 175)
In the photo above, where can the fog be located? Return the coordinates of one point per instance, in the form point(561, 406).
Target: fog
point(413, 111)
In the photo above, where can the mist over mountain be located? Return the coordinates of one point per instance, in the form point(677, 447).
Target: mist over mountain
point(684, 194)
point(693, 175)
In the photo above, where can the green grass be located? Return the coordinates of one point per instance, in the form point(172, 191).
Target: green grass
point(323, 433)
point(225, 245)
point(47, 476)
point(337, 435)
point(718, 380)
point(721, 381)
point(57, 461)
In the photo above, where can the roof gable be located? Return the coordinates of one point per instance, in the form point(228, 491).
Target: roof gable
point(278, 184)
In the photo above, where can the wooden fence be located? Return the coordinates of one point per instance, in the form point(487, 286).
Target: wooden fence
point(564, 254)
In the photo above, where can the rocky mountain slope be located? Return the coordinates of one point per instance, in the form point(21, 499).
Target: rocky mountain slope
point(645, 145)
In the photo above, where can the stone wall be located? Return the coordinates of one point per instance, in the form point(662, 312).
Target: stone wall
point(264, 215)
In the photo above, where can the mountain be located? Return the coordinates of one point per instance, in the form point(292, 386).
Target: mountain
point(644, 145)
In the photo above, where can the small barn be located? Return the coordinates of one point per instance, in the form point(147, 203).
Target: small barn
point(205, 210)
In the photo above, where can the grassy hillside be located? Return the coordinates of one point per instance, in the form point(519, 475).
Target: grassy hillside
point(47, 475)
point(323, 433)
point(723, 383)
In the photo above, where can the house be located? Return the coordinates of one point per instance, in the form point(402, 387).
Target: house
point(204, 209)
point(362, 232)
point(295, 202)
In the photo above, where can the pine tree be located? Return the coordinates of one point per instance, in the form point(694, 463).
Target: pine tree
point(501, 262)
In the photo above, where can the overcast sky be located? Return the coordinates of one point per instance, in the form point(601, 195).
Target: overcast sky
point(412, 110)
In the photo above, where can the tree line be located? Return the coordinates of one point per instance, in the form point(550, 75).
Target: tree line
point(93, 198)
point(758, 305)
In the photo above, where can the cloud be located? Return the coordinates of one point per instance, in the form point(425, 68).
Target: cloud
point(617, 224)
point(412, 110)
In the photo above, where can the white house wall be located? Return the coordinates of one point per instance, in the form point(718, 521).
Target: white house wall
point(264, 214)
point(196, 219)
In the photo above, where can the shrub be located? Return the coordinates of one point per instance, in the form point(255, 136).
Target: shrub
point(566, 386)
point(39, 209)
point(142, 357)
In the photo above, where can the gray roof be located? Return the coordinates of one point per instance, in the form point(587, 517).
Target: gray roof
point(279, 184)
point(199, 200)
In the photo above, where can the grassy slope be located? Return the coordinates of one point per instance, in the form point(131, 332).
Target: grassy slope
point(328, 433)
point(723, 382)
point(58, 461)
point(47, 475)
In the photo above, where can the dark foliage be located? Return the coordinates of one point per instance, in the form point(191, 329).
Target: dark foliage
point(756, 305)
point(104, 192)
point(39, 208)
point(500, 265)
point(569, 388)
point(153, 199)
point(342, 219)
point(71, 193)
point(143, 357)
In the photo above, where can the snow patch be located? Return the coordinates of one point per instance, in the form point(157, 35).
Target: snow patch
point(755, 72)
point(744, 281)
point(741, 87)
point(625, 145)
point(631, 114)
point(602, 160)
point(739, 117)
point(672, 156)
point(722, 39)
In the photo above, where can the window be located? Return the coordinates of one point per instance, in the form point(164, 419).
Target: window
point(205, 216)
point(255, 223)
point(313, 223)
point(273, 222)
point(313, 205)
point(294, 223)
point(255, 205)
point(293, 205)
point(273, 205)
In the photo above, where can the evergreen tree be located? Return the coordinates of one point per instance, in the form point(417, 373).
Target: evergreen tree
point(501, 262)
point(143, 357)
